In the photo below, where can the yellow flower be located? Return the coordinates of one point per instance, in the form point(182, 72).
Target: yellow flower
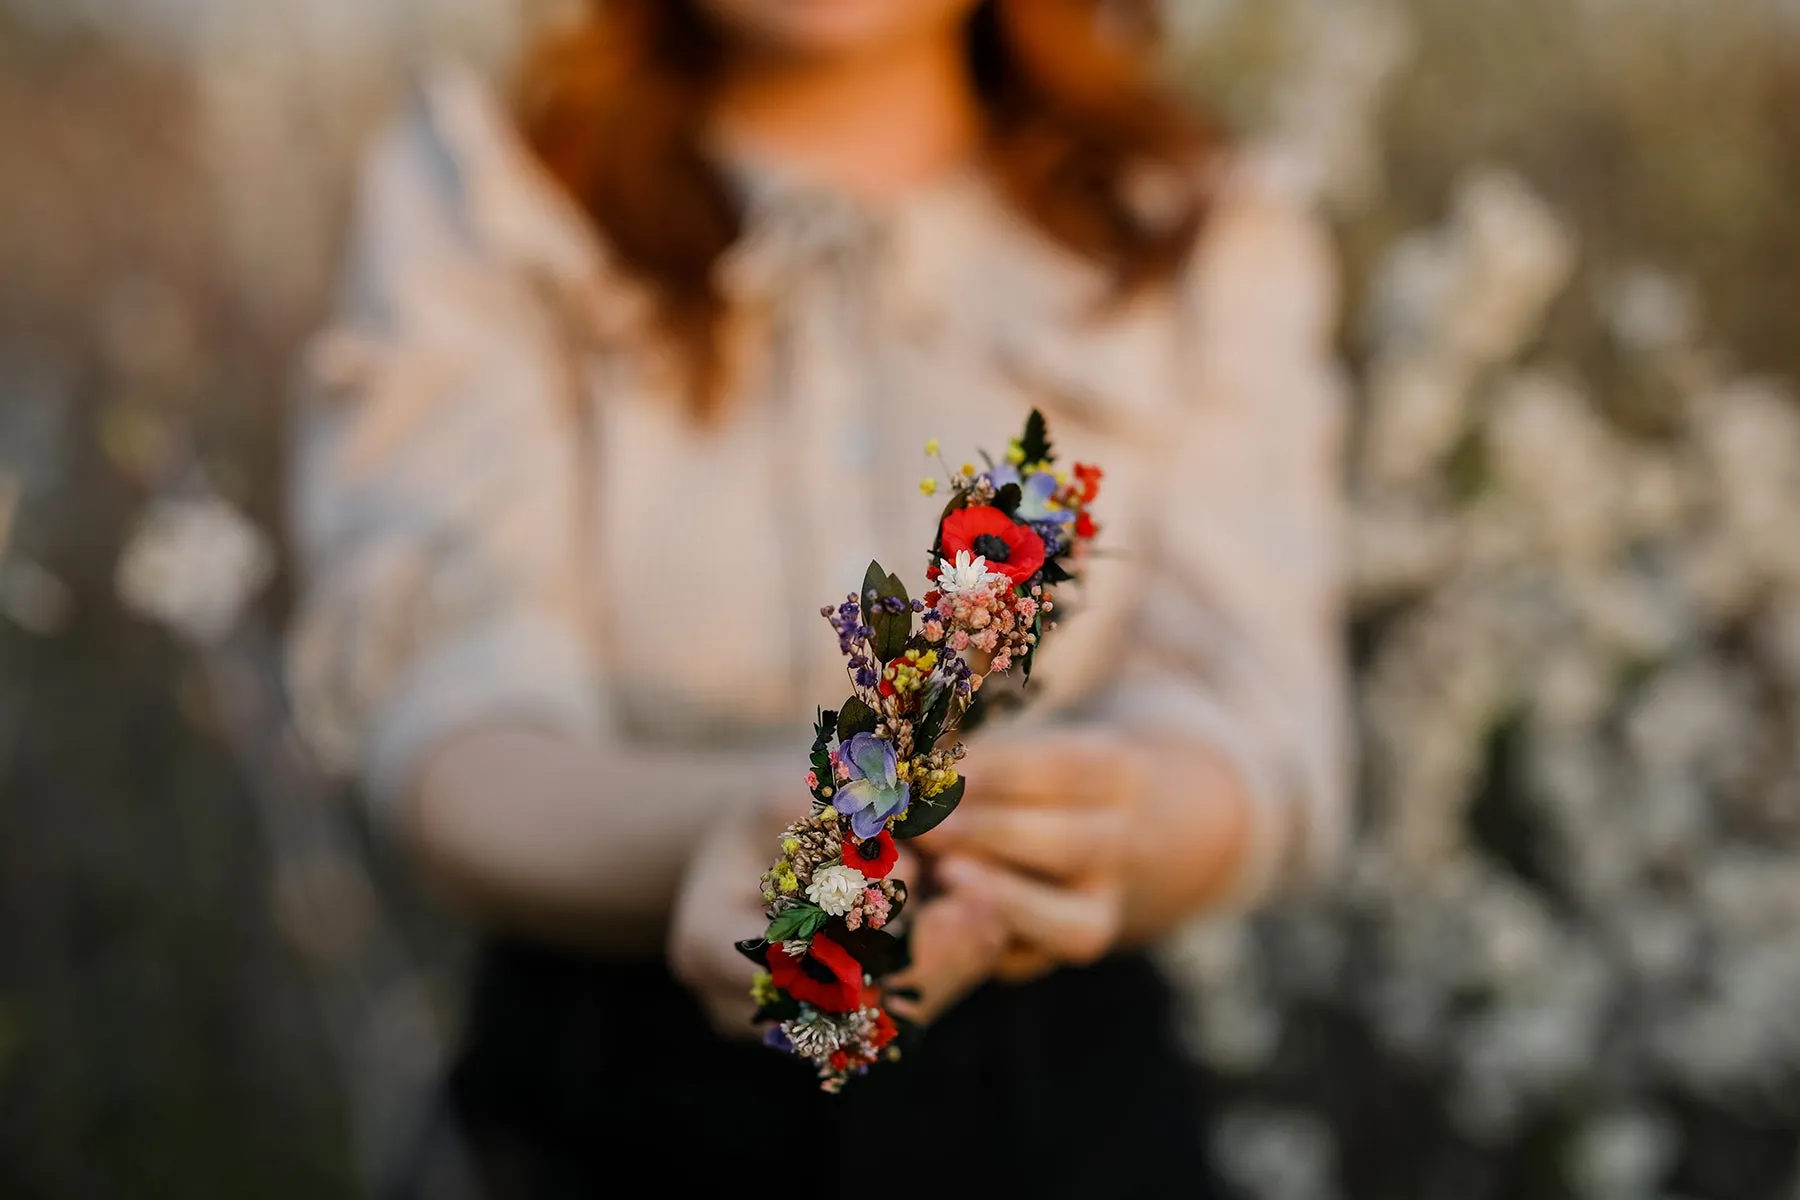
point(968, 469)
point(1015, 453)
point(928, 487)
point(789, 845)
point(909, 672)
point(931, 448)
point(936, 781)
point(763, 989)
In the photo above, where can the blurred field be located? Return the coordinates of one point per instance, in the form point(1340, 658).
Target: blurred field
point(1565, 959)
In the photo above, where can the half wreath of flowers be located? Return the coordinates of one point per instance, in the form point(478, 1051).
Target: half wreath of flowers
point(884, 763)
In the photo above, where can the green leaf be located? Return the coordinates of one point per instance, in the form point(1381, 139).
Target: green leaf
point(1030, 655)
point(1036, 442)
point(923, 816)
point(877, 951)
point(820, 758)
point(854, 718)
point(930, 725)
point(802, 921)
point(892, 629)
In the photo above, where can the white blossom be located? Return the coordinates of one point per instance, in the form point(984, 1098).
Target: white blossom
point(836, 888)
point(966, 574)
point(192, 564)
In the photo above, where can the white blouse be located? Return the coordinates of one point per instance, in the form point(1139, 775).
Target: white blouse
point(504, 512)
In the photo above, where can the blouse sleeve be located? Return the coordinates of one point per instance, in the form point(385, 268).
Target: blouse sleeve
point(435, 488)
point(1239, 634)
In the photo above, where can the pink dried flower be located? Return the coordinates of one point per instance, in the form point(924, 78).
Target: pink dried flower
point(875, 908)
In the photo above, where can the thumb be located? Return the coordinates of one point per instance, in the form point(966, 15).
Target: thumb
point(957, 942)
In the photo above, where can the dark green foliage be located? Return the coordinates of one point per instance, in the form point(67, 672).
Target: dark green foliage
point(877, 951)
point(854, 718)
point(1036, 442)
point(922, 816)
point(880, 591)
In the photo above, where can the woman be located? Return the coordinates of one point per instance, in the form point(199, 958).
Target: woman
point(624, 387)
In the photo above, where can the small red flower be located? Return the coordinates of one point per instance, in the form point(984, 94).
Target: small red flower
point(1084, 525)
point(1088, 479)
point(826, 977)
point(885, 1030)
point(874, 857)
point(1011, 549)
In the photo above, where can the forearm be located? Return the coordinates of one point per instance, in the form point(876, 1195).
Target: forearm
point(533, 833)
point(1188, 840)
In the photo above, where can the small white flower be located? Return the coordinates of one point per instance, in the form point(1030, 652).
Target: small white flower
point(836, 888)
point(192, 564)
point(965, 574)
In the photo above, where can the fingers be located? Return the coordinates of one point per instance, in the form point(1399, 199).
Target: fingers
point(1069, 924)
point(956, 940)
point(703, 957)
point(1076, 773)
point(1058, 843)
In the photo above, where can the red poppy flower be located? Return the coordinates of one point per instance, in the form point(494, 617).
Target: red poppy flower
point(1010, 548)
point(826, 977)
point(874, 857)
point(1087, 480)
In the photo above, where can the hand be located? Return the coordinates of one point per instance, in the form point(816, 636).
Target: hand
point(956, 939)
point(1043, 836)
point(718, 905)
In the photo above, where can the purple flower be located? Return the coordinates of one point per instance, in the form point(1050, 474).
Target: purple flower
point(873, 794)
point(1034, 500)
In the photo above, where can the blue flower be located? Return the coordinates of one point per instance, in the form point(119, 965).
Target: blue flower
point(1034, 500)
point(873, 794)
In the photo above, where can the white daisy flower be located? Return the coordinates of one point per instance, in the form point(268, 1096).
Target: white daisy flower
point(966, 574)
point(836, 888)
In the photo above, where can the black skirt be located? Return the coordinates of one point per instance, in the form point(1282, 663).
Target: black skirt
point(581, 1074)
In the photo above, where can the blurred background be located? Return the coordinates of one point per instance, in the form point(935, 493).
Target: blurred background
point(1565, 958)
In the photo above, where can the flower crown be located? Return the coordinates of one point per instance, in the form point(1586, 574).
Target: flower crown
point(884, 764)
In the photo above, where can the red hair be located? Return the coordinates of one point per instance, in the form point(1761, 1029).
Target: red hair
point(616, 111)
